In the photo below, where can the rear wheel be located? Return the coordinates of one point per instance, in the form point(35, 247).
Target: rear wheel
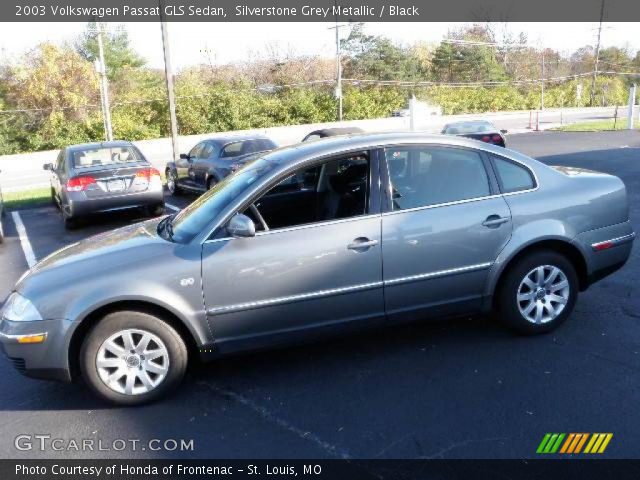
point(538, 293)
point(70, 222)
point(212, 182)
point(131, 358)
point(172, 182)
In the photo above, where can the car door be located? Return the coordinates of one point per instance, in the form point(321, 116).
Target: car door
point(321, 272)
point(444, 225)
point(184, 167)
point(202, 164)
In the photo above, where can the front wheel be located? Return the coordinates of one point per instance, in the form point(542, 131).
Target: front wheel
point(131, 358)
point(538, 293)
point(155, 210)
point(172, 182)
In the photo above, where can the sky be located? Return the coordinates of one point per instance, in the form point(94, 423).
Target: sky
point(219, 43)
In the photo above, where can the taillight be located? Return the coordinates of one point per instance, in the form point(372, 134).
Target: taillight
point(496, 138)
point(78, 184)
point(148, 173)
point(486, 138)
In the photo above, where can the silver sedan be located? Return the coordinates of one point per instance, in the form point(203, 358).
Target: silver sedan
point(320, 238)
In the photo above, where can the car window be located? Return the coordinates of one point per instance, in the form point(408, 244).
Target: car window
point(512, 177)
point(336, 189)
point(424, 176)
point(59, 161)
point(206, 151)
point(93, 157)
point(247, 146)
point(469, 127)
point(195, 151)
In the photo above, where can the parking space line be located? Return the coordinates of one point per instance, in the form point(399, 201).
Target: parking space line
point(172, 207)
point(24, 240)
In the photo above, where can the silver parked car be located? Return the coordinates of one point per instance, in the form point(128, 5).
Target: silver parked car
point(319, 238)
point(103, 177)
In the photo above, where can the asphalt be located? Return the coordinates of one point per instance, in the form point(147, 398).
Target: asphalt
point(444, 389)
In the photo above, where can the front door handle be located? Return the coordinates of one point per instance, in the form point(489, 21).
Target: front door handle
point(362, 244)
point(494, 221)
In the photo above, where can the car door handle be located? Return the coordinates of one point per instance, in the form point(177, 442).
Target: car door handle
point(362, 243)
point(494, 221)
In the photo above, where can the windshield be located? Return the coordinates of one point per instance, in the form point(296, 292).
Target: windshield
point(190, 221)
point(94, 157)
point(469, 127)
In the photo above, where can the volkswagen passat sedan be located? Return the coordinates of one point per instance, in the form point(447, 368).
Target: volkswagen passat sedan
point(318, 238)
point(211, 160)
point(103, 177)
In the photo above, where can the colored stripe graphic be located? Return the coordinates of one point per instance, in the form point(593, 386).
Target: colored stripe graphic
point(552, 442)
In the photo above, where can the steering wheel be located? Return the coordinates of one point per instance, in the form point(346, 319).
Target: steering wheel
point(256, 213)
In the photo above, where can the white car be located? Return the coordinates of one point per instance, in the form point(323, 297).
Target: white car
point(422, 109)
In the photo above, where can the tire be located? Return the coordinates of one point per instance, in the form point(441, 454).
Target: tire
point(167, 369)
point(517, 298)
point(155, 210)
point(53, 198)
point(1, 227)
point(70, 223)
point(172, 183)
point(212, 182)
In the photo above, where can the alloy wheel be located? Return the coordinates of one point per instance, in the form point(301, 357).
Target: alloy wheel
point(171, 182)
point(543, 294)
point(132, 362)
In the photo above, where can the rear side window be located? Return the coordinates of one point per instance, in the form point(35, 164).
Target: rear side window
point(246, 147)
point(424, 176)
point(512, 177)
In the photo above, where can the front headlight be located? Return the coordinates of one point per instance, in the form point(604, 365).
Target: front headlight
point(20, 309)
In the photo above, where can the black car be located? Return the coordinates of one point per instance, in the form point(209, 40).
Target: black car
point(331, 132)
point(478, 130)
point(102, 177)
point(211, 160)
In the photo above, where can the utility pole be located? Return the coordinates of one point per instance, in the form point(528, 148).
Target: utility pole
point(169, 79)
point(338, 92)
point(542, 83)
point(597, 59)
point(104, 87)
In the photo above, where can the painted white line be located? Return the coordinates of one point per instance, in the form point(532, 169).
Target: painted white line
point(172, 207)
point(24, 240)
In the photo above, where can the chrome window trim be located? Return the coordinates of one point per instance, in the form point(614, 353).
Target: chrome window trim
point(615, 241)
point(446, 204)
point(338, 291)
point(302, 227)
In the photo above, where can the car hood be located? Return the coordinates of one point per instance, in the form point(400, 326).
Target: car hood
point(102, 252)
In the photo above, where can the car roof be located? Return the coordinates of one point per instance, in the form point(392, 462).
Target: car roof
point(228, 139)
point(332, 132)
point(298, 153)
point(93, 145)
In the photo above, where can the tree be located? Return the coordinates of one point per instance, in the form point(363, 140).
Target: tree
point(378, 58)
point(118, 54)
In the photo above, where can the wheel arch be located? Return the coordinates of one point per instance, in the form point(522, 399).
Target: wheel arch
point(93, 317)
point(562, 246)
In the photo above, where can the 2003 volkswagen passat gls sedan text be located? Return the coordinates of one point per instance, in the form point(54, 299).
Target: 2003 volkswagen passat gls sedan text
point(321, 237)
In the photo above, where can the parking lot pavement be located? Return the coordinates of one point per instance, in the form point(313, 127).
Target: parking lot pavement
point(454, 389)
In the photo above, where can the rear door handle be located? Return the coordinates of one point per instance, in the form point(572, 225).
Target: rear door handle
point(494, 221)
point(361, 244)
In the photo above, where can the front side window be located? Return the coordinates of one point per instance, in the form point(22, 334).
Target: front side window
point(512, 177)
point(430, 175)
point(336, 189)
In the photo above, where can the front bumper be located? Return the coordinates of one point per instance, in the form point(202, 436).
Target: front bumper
point(47, 359)
point(80, 205)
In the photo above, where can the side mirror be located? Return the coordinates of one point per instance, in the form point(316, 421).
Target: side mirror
point(185, 156)
point(241, 226)
point(503, 131)
point(47, 166)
